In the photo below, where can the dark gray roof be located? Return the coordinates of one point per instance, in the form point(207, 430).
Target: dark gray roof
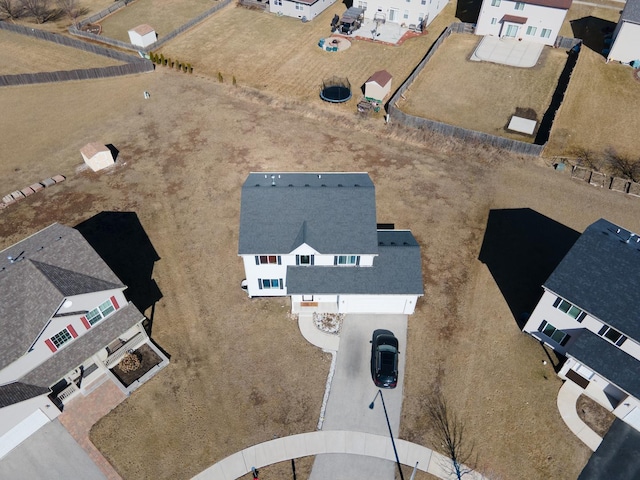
point(334, 213)
point(17, 392)
point(601, 275)
point(617, 457)
point(48, 265)
point(98, 337)
point(397, 270)
point(631, 12)
point(601, 356)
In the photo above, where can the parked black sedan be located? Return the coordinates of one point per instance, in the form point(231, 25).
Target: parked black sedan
point(384, 359)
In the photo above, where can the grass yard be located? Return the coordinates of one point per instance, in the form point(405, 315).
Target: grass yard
point(481, 96)
point(24, 54)
point(180, 169)
point(280, 55)
point(163, 16)
point(600, 107)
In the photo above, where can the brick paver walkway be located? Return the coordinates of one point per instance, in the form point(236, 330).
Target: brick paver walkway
point(83, 412)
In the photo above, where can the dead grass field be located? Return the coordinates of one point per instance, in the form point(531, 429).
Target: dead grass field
point(163, 16)
point(280, 55)
point(23, 54)
point(481, 96)
point(180, 170)
point(600, 107)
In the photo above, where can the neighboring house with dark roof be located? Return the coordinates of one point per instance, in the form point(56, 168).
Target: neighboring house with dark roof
point(617, 456)
point(314, 237)
point(537, 21)
point(625, 45)
point(64, 321)
point(590, 313)
point(308, 9)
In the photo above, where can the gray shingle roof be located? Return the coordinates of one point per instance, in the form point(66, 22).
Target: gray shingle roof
point(397, 270)
point(334, 213)
point(46, 266)
point(631, 12)
point(17, 392)
point(98, 337)
point(607, 360)
point(601, 275)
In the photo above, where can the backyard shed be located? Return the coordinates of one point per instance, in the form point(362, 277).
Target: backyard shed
point(97, 156)
point(142, 36)
point(378, 86)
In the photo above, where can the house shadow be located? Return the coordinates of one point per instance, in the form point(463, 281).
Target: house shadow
point(468, 11)
point(593, 31)
point(120, 239)
point(521, 248)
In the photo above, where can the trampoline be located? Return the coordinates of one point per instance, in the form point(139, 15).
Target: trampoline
point(335, 90)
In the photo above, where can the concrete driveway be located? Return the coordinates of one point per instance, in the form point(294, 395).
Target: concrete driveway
point(352, 391)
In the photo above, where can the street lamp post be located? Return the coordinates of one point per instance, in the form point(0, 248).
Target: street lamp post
point(393, 443)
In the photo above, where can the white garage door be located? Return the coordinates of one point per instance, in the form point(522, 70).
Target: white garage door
point(372, 304)
point(22, 431)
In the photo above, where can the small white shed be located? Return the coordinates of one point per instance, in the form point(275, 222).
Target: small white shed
point(97, 156)
point(142, 36)
point(378, 86)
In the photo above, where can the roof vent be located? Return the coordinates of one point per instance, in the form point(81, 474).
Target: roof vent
point(356, 185)
point(257, 184)
point(306, 184)
point(339, 184)
point(323, 185)
point(291, 184)
point(319, 176)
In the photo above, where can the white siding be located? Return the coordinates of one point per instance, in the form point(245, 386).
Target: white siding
point(537, 16)
point(626, 44)
point(416, 9)
point(288, 8)
point(400, 304)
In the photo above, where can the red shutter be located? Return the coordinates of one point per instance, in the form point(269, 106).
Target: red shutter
point(115, 302)
point(85, 322)
point(50, 344)
point(72, 331)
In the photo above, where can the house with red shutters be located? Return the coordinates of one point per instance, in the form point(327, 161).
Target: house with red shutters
point(64, 323)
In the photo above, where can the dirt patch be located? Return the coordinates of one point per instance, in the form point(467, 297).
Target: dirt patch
point(598, 418)
point(146, 358)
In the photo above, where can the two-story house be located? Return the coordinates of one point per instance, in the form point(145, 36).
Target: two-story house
point(64, 322)
point(314, 237)
point(403, 12)
point(590, 313)
point(625, 42)
point(537, 21)
point(307, 9)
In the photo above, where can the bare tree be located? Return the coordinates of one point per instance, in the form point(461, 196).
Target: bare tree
point(11, 9)
point(622, 165)
point(71, 9)
point(588, 158)
point(38, 9)
point(449, 432)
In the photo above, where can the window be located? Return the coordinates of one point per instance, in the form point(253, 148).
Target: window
point(495, 3)
point(103, 310)
point(494, 21)
point(531, 30)
point(569, 309)
point(299, 6)
point(519, 6)
point(304, 259)
point(270, 283)
point(553, 333)
point(612, 335)
point(423, 2)
point(268, 259)
point(512, 31)
point(61, 338)
point(279, 2)
point(406, 14)
point(346, 260)
point(546, 33)
point(362, 5)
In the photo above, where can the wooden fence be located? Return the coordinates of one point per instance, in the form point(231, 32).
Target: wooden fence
point(421, 123)
point(131, 65)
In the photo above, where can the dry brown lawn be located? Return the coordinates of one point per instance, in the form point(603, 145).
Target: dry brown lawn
point(481, 96)
point(280, 55)
point(163, 16)
point(23, 54)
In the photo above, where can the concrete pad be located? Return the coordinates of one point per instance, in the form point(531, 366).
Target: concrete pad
point(507, 51)
point(522, 125)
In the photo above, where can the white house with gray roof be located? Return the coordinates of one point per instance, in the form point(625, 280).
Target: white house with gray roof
point(308, 9)
point(314, 237)
point(64, 321)
point(625, 45)
point(590, 313)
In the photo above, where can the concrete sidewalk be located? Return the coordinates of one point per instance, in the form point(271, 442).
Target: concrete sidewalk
point(567, 398)
point(315, 336)
point(328, 442)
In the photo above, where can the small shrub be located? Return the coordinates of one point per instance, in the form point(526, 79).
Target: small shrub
point(130, 362)
point(190, 68)
point(220, 78)
point(233, 81)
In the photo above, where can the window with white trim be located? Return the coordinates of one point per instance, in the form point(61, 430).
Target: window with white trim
point(304, 259)
point(612, 335)
point(270, 283)
point(299, 6)
point(569, 309)
point(103, 310)
point(406, 14)
point(494, 21)
point(346, 260)
point(495, 3)
point(519, 5)
point(268, 259)
point(423, 2)
point(61, 338)
point(531, 30)
point(553, 333)
point(546, 33)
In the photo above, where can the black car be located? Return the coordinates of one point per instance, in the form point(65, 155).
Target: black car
point(384, 359)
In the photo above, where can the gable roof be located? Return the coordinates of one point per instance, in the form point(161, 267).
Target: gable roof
point(36, 274)
point(17, 392)
point(334, 213)
point(381, 77)
point(397, 270)
point(600, 274)
point(631, 12)
point(143, 29)
point(90, 150)
point(609, 361)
